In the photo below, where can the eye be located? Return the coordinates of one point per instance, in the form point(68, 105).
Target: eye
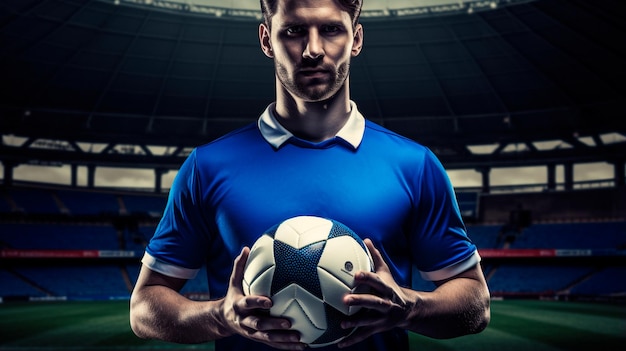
point(295, 30)
point(331, 29)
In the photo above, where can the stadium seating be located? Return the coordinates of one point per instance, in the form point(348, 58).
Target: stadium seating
point(531, 278)
point(152, 205)
point(123, 222)
point(4, 205)
point(89, 203)
point(541, 277)
point(608, 281)
point(484, 236)
point(13, 285)
point(79, 281)
point(33, 201)
point(40, 236)
point(601, 235)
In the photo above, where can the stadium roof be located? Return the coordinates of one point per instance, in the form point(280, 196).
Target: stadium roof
point(103, 81)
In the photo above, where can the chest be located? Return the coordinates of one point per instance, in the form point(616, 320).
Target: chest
point(365, 192)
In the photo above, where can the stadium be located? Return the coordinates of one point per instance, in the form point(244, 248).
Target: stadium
point(523, 101)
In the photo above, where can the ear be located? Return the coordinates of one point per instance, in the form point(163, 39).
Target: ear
point(357, 44)
point(265, 40)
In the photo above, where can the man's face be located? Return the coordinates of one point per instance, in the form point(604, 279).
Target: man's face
point(312, 42)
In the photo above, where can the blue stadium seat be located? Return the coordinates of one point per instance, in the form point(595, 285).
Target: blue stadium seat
point(600, 235)
point(34, 201)
point(152, 205)
point(58, 236)
point(13, 286)
point(535, 278)
point(5, 205)
point(608, 281)
point(484, 236)
point(81, 202)
point(79, 282)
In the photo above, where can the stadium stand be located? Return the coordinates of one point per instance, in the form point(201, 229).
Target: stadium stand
point(601, 235)
point(33, 201)
point(468, 203)
point(86, 244)
point(5, 207)
point(54, 236)
point(14, 285)
point(148, 204)
point(79, 281)
point(528, 278)
point(89, 203)
point(485, 236)
point(609, 280)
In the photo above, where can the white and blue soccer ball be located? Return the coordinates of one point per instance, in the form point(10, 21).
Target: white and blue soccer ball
point(306, 265)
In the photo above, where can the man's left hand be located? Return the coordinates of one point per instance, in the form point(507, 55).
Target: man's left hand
point(387, 304)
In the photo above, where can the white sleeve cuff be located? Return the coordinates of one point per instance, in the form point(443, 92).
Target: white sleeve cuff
point(167, 268)
point(452, 270)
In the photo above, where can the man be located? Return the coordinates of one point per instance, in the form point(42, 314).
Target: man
point(311, 153)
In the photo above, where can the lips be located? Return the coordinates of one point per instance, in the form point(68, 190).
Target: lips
point(314, 73)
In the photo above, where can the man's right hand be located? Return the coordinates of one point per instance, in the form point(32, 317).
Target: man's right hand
point(249, 315)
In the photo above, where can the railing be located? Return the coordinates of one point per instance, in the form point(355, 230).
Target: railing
point(541, 187)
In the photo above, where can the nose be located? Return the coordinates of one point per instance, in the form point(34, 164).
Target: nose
point(314, 48)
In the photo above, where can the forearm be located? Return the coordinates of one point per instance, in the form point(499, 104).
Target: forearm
point(457, 307)
point(158, 312)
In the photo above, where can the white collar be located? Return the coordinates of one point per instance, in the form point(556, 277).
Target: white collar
point(275, 134)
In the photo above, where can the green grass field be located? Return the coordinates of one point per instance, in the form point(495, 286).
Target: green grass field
point(515, 325)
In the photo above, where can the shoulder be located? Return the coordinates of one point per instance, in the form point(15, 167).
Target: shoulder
point(382, 132)
point(411, 156)
point(380, 137)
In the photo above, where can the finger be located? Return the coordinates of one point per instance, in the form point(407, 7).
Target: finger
point(236, 277)
point(254, 302)
point(377, 257)
point(373, 280)
point(371, 302)
point(265, 323)
point(378, 286)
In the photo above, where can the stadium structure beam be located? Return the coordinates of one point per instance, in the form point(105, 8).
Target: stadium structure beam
point(458, 160)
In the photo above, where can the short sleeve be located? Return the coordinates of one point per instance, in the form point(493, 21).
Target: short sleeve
point(180, 242)
point(441, 247)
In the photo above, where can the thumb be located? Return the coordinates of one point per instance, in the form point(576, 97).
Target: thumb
point(377, 258)
point(236, 277)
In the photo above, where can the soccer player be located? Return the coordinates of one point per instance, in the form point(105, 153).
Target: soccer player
point(311, 153)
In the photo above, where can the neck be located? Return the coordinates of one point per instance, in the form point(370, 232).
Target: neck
point(314, 121)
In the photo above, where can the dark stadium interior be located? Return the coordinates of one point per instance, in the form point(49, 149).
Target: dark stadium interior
point(76, 72)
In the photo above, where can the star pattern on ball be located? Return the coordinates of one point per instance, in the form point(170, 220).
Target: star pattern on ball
point(298, 266)
point(339, 229)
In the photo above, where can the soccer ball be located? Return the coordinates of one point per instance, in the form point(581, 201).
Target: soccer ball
point(306, 265)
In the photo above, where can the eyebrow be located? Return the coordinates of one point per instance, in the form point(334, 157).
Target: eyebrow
point(303, 23)
point(291, 24)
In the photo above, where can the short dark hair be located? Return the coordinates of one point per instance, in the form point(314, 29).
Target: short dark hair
point(353, 7)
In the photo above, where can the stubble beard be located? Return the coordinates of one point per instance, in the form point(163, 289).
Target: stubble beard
point(319, 90)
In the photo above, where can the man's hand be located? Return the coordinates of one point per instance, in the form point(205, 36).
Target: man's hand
point(458, 306)
point(249, 315)
point(387, 305)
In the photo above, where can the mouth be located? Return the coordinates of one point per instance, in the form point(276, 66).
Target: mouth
point(314, 73)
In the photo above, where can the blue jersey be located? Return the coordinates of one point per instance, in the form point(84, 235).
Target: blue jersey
point(383, 186)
